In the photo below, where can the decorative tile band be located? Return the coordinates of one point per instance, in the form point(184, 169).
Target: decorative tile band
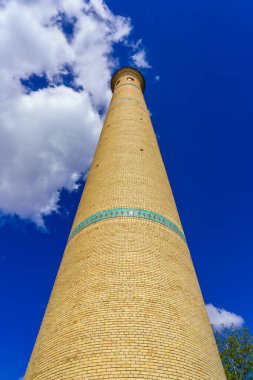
point(128, 100)
point(130, 213)
point(128, 85)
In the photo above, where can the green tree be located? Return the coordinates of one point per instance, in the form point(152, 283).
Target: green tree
point(236, 351)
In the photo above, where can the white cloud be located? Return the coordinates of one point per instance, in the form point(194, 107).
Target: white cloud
point(219, 317)
point(140, 60)
point(48, 136)
point(54, 141)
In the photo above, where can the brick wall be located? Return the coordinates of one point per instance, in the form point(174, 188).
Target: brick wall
point(126, 303)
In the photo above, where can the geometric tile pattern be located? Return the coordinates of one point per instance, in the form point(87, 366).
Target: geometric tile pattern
point(129, 213)
point(127, 99)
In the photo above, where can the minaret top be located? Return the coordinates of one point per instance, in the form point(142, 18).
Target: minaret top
point(131, 72)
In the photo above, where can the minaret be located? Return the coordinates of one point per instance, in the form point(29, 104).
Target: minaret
point(126, 303)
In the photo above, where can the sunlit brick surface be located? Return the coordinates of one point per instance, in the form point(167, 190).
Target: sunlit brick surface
point(126, 303)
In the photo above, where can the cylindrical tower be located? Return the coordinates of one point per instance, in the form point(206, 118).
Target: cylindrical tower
point(126, 303)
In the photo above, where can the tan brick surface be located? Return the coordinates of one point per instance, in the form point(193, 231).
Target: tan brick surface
point(126, 303)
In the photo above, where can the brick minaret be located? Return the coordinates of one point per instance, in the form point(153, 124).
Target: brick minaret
point(126, 303)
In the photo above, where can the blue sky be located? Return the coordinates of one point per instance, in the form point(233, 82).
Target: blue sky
point(53, 97)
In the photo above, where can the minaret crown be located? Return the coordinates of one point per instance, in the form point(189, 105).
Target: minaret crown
point(131, 74)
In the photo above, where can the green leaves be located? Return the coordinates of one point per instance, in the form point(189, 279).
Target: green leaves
point(236, 351)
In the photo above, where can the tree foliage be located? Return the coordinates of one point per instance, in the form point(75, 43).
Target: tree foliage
point(236, 351)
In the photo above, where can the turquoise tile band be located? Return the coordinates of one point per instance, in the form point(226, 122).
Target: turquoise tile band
point(129, 213)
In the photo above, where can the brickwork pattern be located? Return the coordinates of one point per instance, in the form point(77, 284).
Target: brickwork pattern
point(126, 303)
